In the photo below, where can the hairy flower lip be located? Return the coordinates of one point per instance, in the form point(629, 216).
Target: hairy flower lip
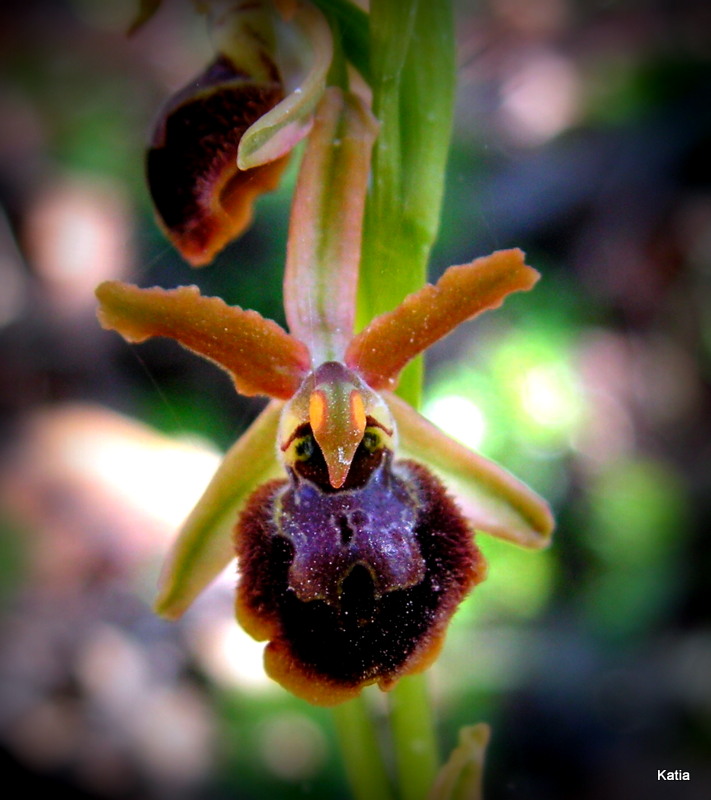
point(324, 656)
point(312, 520)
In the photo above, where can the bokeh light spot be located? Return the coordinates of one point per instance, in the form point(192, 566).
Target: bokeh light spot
point(459, 417)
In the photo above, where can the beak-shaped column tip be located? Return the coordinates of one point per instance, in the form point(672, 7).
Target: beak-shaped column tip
point(337, 419)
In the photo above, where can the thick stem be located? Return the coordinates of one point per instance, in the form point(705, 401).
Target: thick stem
point(413, 78)
point(361, 753)
point(413, 728)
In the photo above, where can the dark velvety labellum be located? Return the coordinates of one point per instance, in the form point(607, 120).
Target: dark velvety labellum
point(356, 586)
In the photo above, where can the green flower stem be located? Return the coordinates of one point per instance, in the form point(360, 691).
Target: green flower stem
point(361, 753)
point(413, 79)
point(412, 75)
point(413, 731)
point(352, 23)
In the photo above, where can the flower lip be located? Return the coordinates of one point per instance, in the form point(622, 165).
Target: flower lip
point(333, 631)
point(333, 532)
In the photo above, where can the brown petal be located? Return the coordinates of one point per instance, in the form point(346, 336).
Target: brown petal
point(384, 347)
point(203, 200)
point(260, 356)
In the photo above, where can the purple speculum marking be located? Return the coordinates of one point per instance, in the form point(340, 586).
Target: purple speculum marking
point(332, 532)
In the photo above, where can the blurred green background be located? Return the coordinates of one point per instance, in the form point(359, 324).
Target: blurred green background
point(583, 135)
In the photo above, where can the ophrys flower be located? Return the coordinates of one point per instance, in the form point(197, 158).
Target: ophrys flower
point(353, 555)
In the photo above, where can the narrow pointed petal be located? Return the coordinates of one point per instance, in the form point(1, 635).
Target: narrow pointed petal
point(304, 52)
point(205, 544)
point(384, 347)
point(260, 356)
point(494, 501)
point(323, 253)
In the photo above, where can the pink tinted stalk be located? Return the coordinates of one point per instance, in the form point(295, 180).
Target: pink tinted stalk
point(323, 253)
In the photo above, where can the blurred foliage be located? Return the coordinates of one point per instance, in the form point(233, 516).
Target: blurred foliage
point(594, 388)
point(638, 521)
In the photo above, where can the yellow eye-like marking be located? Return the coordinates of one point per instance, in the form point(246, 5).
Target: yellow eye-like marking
point(303, 447)
point(373, 439)
point(300, 448)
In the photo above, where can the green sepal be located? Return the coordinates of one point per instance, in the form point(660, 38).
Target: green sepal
point(204, 546)
point(490, 497)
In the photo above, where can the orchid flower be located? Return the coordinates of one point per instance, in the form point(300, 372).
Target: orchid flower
point(351, 516)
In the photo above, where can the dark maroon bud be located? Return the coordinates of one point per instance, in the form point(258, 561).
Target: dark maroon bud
point(203, 200)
